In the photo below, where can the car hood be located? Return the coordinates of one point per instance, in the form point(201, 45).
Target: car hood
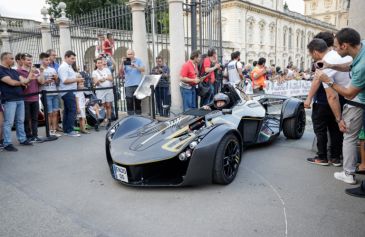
point(153, 142)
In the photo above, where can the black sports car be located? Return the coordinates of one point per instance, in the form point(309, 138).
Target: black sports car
point(199, 146)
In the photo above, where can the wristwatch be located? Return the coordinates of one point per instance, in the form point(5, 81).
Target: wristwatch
point(330, 84)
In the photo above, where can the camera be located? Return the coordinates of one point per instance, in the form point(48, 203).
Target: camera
point(37, 65)
point(127, 62)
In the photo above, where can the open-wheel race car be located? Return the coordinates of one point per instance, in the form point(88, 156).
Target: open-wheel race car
point(199, 146)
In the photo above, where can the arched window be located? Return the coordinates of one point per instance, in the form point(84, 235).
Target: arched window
point(250, 26)
point(262, 31)
point(313, 5)
point(272, 33)
point(302, 38)
point(285, 33)
point(290, 38)
point(298, 38)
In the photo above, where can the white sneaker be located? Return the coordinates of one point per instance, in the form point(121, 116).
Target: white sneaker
point(343, 176)
point(55, 133)
point(72, 134)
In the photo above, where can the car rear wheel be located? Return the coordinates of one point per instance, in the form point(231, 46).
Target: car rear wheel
point(227, 160)
point(293, 128)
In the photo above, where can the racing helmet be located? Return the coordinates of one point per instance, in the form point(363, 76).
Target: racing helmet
point(221, 97)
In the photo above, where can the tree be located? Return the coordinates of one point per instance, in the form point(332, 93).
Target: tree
point(286, 7)
point(78, 7)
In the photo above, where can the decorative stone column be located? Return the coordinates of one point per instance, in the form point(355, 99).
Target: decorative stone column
point(357, 17)
point(46, 31)
point(139, 36)
point(139, 31)
point(177, 51)
point(64, 24)
point(5, 37)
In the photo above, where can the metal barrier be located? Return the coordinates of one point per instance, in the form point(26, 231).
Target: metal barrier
point(44, 93)
point(44, 98)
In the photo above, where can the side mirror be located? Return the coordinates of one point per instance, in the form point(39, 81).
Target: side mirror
point(227, 111)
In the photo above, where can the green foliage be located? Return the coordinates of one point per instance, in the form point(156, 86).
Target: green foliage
point(286, 7)
point(78, 7)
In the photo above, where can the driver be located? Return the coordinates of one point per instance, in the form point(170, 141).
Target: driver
point(220, 102)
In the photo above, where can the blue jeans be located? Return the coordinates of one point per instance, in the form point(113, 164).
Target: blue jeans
point(209, 98)
point(53, 103)
point(189, 98)
point(69, 112)
point(14, 110)
point(162, 99)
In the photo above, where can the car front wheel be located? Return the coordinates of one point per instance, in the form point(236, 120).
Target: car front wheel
point(227, 160)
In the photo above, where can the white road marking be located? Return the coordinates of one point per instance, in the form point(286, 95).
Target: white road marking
point(277, 194)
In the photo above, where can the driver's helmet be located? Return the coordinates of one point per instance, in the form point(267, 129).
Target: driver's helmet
point(221, 97)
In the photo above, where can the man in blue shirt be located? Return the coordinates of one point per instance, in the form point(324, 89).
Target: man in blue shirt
point(133, 69)
point(52, 57)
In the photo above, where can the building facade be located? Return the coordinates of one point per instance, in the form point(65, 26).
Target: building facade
point(269, 31)
point(335, 12)
point(357, 17)
point(265, 30)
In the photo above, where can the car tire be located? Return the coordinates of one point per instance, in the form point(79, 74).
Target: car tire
point(227, 160)
point(293, 128)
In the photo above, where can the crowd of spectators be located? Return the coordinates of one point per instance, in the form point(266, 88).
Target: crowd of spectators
point(337, 96)
point(337, 91)
point(22, 81)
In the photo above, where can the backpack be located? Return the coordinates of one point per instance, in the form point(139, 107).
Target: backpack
point(201, 64)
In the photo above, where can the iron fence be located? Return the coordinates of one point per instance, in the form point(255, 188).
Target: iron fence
point(25, 37)
point(203, 25)
point(157, 26)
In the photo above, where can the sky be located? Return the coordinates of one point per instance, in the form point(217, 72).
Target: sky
point(30, 9)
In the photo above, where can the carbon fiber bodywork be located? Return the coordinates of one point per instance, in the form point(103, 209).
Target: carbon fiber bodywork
point(144, 152)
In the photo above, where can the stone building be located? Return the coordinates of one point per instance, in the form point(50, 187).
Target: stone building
point(335, 12)
point(267, 30)
point(357, 17)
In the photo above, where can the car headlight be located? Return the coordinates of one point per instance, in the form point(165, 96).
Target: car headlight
point(193, 144)
point(112, 131)
point(182, 156)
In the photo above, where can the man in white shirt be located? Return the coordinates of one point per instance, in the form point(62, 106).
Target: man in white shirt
point(68, 81)
point(350, 114)
point(234, 69)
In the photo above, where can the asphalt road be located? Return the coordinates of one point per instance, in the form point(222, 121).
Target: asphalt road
point(64, 188)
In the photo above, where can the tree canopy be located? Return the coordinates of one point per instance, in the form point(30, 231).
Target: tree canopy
point(78, 7)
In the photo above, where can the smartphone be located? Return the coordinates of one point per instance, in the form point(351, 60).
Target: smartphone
point(37, 65)
point(319, 65)
point(127, 62)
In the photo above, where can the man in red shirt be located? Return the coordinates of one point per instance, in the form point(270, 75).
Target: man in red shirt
point(210, 65)
point(188, 81)
point(108, 44)
point(31, 102)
